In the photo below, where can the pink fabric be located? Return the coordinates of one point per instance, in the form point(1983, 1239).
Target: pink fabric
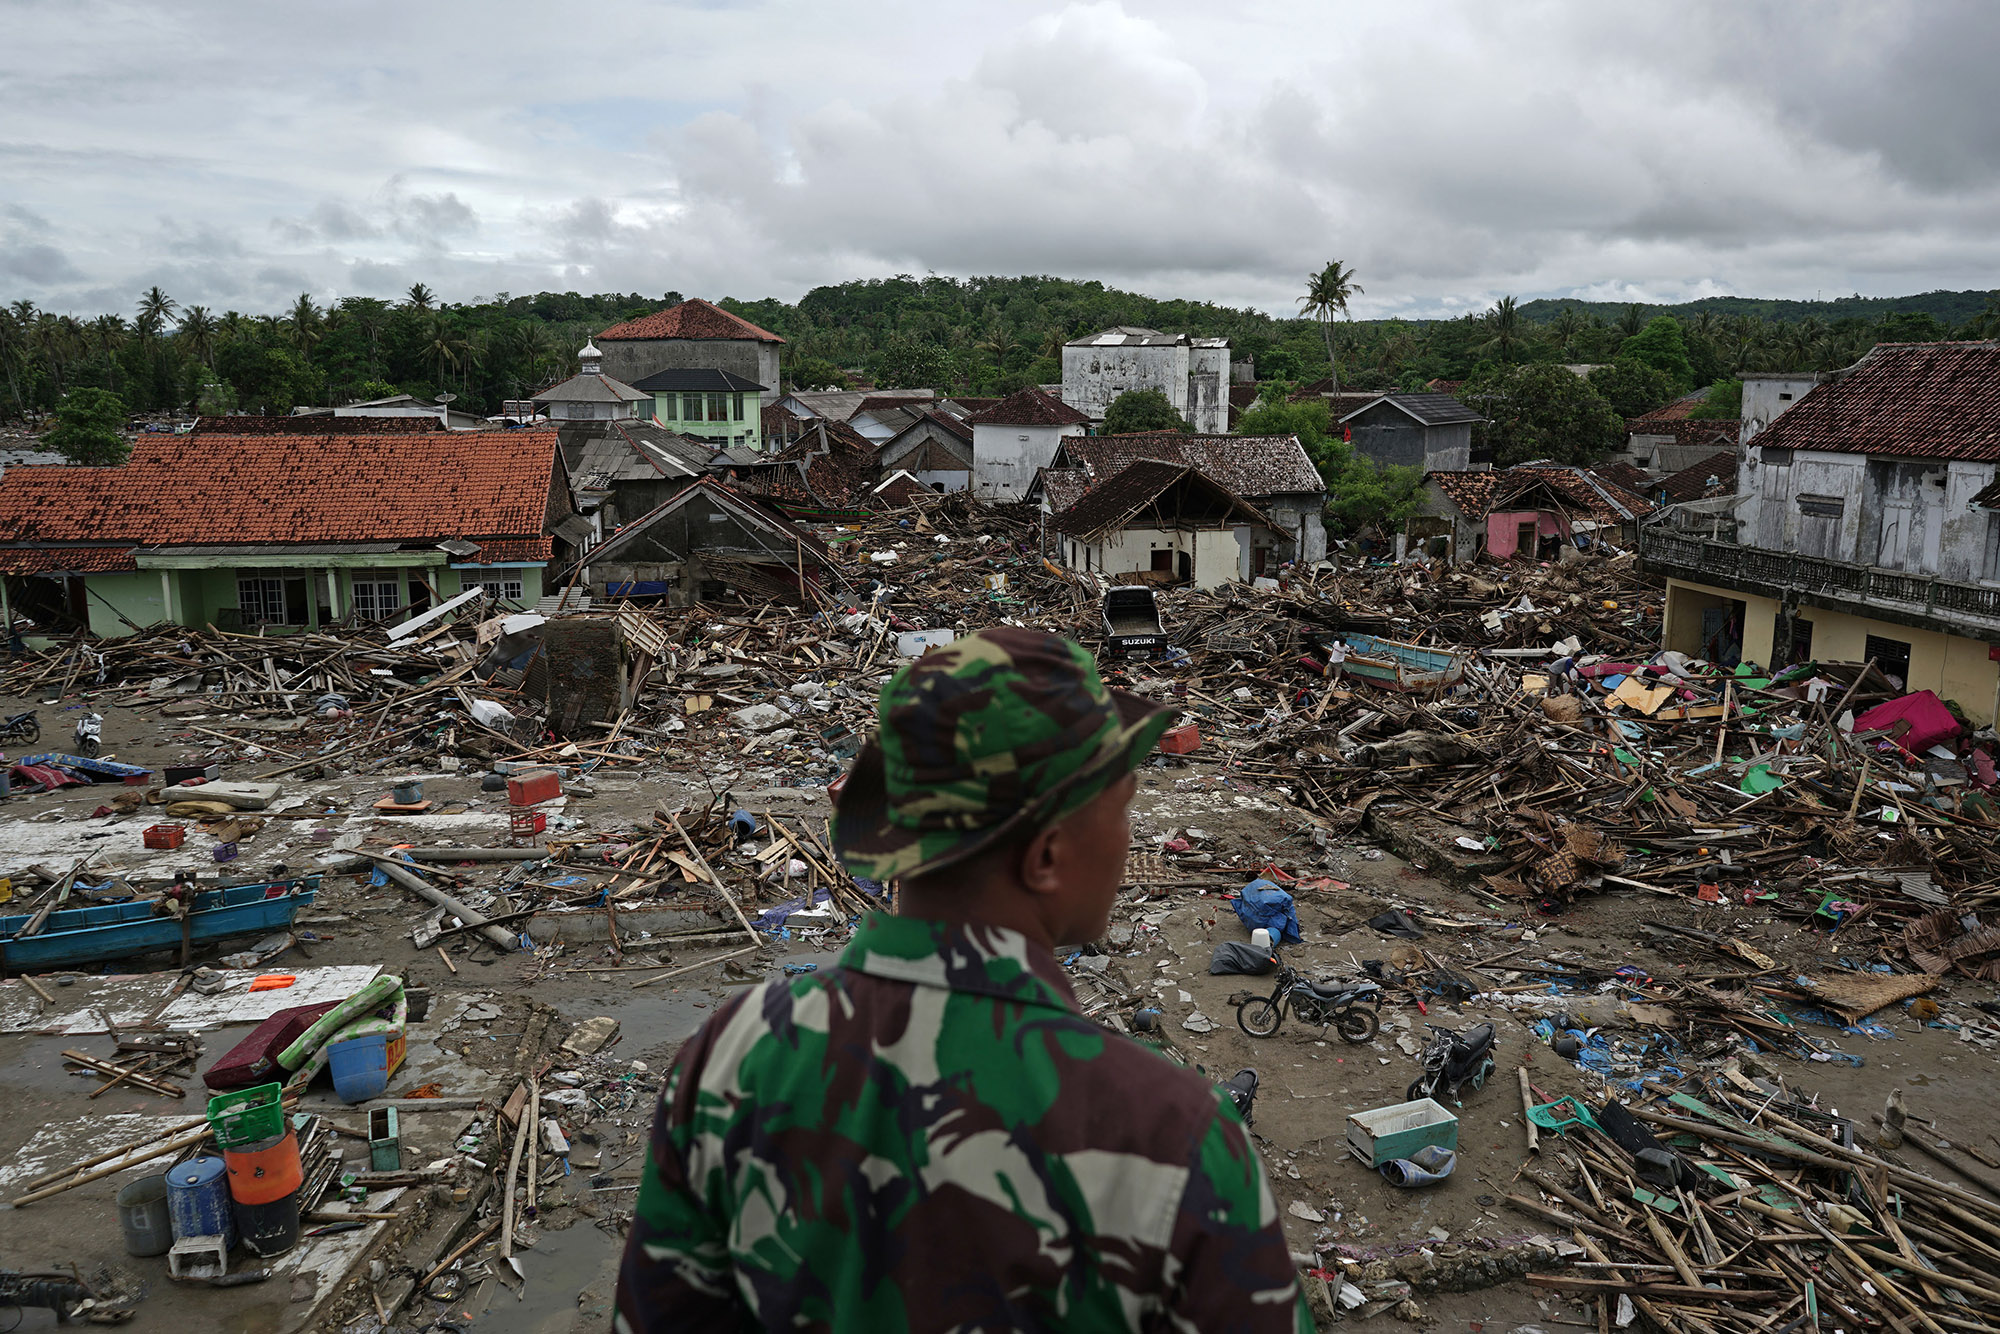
point(1930, 721)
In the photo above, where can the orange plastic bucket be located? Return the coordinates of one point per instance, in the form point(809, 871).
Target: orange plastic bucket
point(266, 1171)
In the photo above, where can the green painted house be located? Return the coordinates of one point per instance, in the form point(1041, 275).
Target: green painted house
point(709, 405)
point(276, 525)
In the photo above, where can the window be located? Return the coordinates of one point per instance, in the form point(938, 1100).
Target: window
point(1991, 568)
point(376, 599)
point(504, 587)
point(1825, 507)
point(739, 407)
point(1784, 398)
point(666, 406)
point(718, 408)
point(690, 407)
point(1775, 457)
point(261, 601)
point(1890, 655)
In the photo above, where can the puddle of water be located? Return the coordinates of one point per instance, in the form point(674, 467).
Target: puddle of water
point(578, 1262)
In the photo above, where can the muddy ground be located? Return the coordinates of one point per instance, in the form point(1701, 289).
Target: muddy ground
point(1310, 1082)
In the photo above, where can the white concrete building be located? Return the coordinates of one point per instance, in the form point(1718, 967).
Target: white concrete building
point(1164, 523)
point(1768, 393)
point(1015, 439)
point(1193, 373)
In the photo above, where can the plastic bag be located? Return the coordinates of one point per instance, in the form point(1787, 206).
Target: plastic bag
point(1233, 956)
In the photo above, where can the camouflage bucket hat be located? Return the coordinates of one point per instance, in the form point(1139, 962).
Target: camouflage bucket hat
point(1002, 731)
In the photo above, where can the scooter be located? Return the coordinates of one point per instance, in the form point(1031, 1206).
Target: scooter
point(23, 727)
point(90, 735)
point(1242, 1090)
point(1452, 1061)
point(1352, 1007)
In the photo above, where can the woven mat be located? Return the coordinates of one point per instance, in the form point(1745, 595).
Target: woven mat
point(1855, 996)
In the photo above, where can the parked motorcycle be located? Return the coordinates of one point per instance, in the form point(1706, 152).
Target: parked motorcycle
point(1242, 1090)
point(1452, 1061)
point(90, 735)
point(22, 727)
point(1353, 1008)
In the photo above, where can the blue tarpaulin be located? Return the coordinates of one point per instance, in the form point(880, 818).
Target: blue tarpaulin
point(1264, 904)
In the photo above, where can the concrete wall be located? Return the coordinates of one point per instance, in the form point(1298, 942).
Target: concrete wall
point(1006, 458)
point(1208, 387)
point(1901, 514)
point(1390, 436)
point(1301, 524)
point(1955, 667)
point(1503, 530)
point(1218, 554)
point(1094, 377)
point(749, 431)
point(1765, 396)
point(633, 359)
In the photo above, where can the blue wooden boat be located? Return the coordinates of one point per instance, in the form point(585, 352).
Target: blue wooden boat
point(106, 931)
point(1400, 666)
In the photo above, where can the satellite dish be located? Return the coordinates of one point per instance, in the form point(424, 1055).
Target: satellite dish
point(447, 398)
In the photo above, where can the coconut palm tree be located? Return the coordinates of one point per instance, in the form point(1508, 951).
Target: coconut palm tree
point(15, 322)
point(197, 333)
point(999, 345)
point(305, 324)
point(1327, 293)
point(1564, 328)
point(106, 335)
point(370, 316)
point(442, 347)
point(1507, 331)
point(419, 297)
point(155, 309)
point(1632, 319)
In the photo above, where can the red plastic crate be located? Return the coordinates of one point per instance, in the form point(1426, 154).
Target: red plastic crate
point(1181, 740)
point(165, 837)
point(526, 824)
point(532, 788)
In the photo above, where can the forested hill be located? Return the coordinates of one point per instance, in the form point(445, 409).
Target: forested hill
point(1951, 309)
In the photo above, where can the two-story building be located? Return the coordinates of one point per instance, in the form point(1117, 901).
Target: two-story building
point(695, 335)
point(709, 405)
point(1865, 525)
point(1193, 373)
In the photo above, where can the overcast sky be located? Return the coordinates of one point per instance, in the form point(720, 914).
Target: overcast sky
point(1451, 152)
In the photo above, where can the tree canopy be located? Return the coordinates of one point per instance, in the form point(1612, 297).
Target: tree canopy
point(1142, 410)
point(1541, 412)
point(87, 429)
point(1661, 347)
point(1360, 492)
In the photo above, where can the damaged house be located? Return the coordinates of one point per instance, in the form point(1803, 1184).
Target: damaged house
point(285, 530)
point(1161, 522)
point(935, 450)
point(1271, 472)
point(704, 540)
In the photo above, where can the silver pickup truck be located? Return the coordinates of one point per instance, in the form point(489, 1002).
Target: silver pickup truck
point(1132, 623)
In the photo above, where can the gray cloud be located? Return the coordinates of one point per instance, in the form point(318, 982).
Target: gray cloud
point(1450, 150)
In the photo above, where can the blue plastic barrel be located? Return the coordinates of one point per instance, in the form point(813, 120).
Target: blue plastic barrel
point(360, 1067)
point(198, 1200)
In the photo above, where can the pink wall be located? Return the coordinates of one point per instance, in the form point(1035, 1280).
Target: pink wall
point(1503, 526)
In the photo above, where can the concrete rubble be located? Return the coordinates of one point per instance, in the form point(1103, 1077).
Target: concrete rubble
point(1705, 907)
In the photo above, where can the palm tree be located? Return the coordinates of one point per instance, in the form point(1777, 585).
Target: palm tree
point(59, 338)
point(1632, 319)
point(1053, 342)
point(998, 345)
point(419, 296)
point(370, 315)
point(1564, 328)
point(441, 347)
point(305, 324)
point(197, 331)
point(107, 335)
point(155, 309)
point(1507, 332)
point(233, 327)
point(14, 344)
point(1327, 293)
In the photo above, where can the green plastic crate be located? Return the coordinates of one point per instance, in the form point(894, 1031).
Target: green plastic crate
point(242, 1117)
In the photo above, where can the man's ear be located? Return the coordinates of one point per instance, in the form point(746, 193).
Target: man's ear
point(1041, 861)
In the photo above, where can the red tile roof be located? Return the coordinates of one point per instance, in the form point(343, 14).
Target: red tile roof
point(329, 425)
point(1924, 400)
point(1590, 492)
point(68, 560)
point(1249, 465)
point(486, 486)
point(1112, 503)
point(1692, 483)
point(690, 319)
point(1626, 475)
point(1471, 490)
point(1671, 412)
point(1029, 407)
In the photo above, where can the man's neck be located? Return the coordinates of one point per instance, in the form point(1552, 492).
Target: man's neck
point(976, 905)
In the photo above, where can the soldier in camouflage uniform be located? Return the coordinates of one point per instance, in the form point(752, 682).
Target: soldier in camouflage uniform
point(930, 1136)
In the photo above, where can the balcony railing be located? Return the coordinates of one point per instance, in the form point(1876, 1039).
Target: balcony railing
point(1957, 606)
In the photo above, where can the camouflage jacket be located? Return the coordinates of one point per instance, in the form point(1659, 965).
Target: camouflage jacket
point(930, 1137)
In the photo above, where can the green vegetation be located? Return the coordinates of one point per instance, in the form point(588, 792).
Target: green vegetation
point(1540, 412)
point(1359, 491)
point(978, 336)
point(87, 429)
point(1142, 410)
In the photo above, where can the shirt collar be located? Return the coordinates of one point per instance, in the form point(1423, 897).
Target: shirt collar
point(978, 959)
